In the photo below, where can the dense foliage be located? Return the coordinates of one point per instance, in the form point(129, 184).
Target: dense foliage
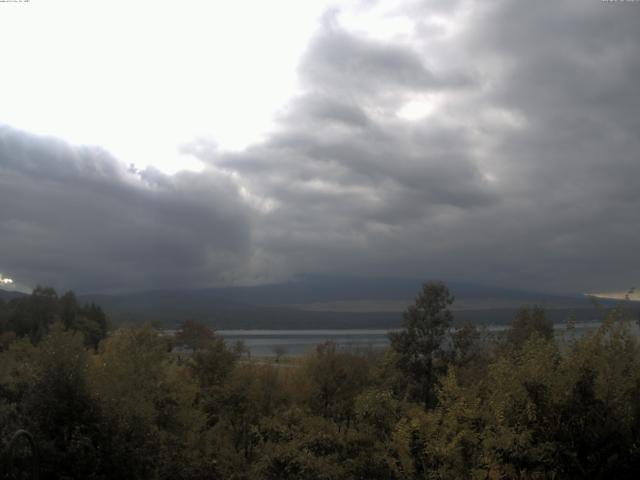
point(32, 317)
point(440, 403)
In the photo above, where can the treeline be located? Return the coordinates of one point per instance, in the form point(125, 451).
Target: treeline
point(440, 403)
point(32, 317)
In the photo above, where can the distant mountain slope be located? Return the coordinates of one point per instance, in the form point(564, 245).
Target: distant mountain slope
point(307, 289)
point(7, 295)
point(313, 301)
point(328, 302)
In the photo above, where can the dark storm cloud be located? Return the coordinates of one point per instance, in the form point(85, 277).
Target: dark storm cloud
point(571, 72)
point(341, 64)
point(74, 217)
point(347, 177)
point(523, 174)
point(339, 60)
point(326, 108)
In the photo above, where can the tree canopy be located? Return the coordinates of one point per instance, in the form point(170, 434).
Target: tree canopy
point(442, 402)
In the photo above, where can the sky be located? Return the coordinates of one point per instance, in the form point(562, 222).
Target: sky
point(191, 144)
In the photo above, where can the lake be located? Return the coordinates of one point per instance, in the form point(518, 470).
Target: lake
point(263, 343)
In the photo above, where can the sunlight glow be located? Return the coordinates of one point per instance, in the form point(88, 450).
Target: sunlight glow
point(141, 78)
point(420, 107)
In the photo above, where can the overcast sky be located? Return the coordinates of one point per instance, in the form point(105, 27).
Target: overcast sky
point(179, 144)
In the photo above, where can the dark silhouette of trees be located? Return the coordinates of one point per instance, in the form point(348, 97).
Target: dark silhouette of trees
point(32, 316)
point(419, 345)
point(194, 335)
point(529, 321)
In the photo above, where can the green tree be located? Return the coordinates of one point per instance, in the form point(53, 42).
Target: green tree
point(17, 377)
point(194, 335)
point(59, 407)
point(418, 346)
point(529, 321)
point(148, 402)
point(212, 365)
point(331, 380)
point(90, 320)
point(33, 315)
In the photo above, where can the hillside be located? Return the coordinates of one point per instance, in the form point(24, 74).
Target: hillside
point(329, 302)
point(316, 302)
point(7, 295)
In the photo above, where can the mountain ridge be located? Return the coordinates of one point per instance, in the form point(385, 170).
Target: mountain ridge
point(314, 301)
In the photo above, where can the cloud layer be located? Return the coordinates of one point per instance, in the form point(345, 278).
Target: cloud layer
point(488, 142)
point(77, 217)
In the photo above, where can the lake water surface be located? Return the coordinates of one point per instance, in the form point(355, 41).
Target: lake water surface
point(264, 343)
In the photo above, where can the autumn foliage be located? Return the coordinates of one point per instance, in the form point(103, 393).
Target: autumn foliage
point(442, 402)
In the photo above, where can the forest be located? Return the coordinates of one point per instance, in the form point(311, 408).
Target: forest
point(442, 402)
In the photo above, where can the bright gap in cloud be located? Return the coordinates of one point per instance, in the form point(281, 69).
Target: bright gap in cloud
point(379, 21)
point(420, 106)
point(141, 78)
